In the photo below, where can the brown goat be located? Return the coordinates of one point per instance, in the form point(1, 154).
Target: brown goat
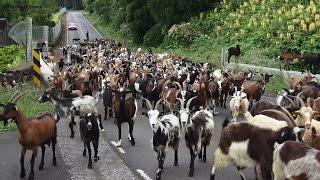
point(34, 132)
point(287, 58)
point(253, 89)
point(315, 139)
point(316, 107)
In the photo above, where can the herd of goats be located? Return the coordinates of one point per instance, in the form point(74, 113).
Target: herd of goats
point(280, 140)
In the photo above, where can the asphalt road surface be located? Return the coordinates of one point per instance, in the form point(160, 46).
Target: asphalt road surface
point(10, 161)
point(83, 26)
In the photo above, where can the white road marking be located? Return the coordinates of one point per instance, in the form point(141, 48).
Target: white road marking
point(91, 25)
point(143, 174)
point(120, 149)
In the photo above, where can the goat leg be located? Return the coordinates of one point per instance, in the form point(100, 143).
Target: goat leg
point(175, 157)
point(100, 122)
point(200, 153)
point(34, 154)
point(106, 112)
point(160, 164)
point(89, 152)
point(193, 156)
point(204, 159)
point(43, 151)
point(130, 132)
point(119, 134)
point(95, 143)
point(54, 142)
point(84, 153)
point(23, 153)
point(71, 129)
point(240, 170)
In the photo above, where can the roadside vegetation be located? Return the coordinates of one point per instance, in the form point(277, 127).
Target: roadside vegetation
point(10, 57)
point(28, 104)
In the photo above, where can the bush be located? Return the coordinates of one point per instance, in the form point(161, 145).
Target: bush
point(182, 34)
point(154, 36)
point(10, 57)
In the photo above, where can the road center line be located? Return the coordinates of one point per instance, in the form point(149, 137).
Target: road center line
point(143, 174)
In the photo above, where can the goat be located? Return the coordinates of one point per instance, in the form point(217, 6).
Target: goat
point(305, 118)
point(198, 136)
point(234, 51)
point(61, 64)
point(213, 93)
point(254, 90)
point(34, 132)
point(224, 88)
point(316, 107)
point(287, 58)
point(166, 133)
point(70, 106)
point(125, 111)
point(295, 160)
point(89, 131)
point(238, 104)
point(312, 60)
point(315, 143)
point(248, 145)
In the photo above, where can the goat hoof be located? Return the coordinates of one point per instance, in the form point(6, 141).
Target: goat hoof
point(158, 177)
point(175, 163)
point(204, 160)
point(84, 153)
point(41, 167)
point(22, 174)
point(90, 166)
point(212, 177)
point(102, 130)
point(191, 173)
point(31, 176)
point(74, 123)
point(133, 143)
point(96, 158)
point(72, 136)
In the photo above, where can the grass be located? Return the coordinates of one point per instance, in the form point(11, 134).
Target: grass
point(106, 30)
point(56, 17)
point(28, 104)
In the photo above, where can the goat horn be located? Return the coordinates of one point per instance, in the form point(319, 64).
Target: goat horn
point(290, 100)
point(18, 97)
point(189, 102)
point(52, 87)
point(290, 116)
point(158, 104)
point(151, 74)
point(164, 85)
point(181, 103)
point(179, 86)
point(148, 103)
point(70, 85)
point(308, 101)
point(13, 96)
point(301, 101)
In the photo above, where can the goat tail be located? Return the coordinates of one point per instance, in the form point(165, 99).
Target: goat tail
point(220, 160)
point(225, 123)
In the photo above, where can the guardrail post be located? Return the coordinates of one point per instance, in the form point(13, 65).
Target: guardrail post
point(36, 67)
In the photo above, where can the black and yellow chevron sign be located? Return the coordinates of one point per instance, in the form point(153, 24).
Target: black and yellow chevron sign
point(36, 67)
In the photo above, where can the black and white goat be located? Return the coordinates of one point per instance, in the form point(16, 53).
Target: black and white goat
point(295, 160)
point(89, 131)
point(71, 106)
point(166, 133)
point(198, 136)
point(248, 145)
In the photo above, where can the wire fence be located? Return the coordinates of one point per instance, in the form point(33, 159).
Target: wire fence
point(27, 35)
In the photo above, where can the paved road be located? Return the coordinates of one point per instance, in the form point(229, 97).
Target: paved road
point(83, 26)
point(10, 160)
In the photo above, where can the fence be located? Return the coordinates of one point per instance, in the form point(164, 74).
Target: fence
point(27, 35)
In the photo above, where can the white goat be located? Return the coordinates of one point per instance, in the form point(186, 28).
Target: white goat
point(238, 104)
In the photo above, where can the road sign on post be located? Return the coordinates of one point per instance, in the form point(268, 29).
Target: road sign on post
point(36, 67)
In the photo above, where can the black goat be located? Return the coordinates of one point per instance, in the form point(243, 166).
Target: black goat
point(107, 101)
point(234, 51)
point(89, 131)
point(125, 111)
point(311, 60)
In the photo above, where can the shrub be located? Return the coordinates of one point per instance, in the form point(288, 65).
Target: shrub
point(10, 57)
point(154, 36)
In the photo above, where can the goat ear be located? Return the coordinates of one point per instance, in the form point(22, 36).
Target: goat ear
point(296, 112)
point(144, 114)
